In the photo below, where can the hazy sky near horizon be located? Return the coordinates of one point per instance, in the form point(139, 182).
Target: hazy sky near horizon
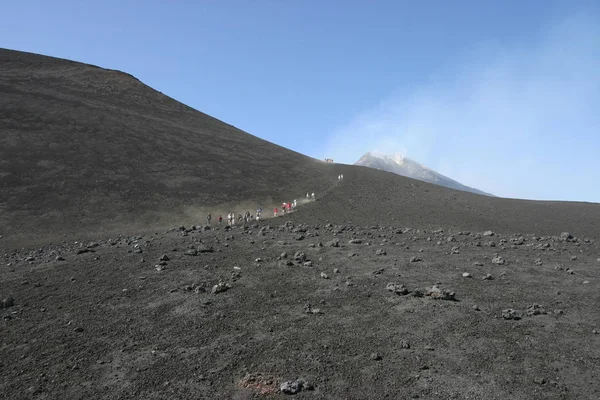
point(500, 96)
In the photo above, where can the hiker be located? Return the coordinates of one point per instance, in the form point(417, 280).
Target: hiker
point(307, 196)
point(283, 207)
point(275, 211)
point(289, 207)
point(341, 177)
point(220, 219)
point(208, 218)
point(313, 195)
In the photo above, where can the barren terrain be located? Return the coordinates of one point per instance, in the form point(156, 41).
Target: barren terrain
point(112, 286)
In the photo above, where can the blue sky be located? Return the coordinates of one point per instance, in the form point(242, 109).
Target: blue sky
point(501, 96)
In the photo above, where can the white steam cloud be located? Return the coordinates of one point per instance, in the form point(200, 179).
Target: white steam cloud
point(520, 122)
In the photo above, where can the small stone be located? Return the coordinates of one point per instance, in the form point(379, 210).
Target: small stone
point(476, 307)
point(60, 258)
point(488, 233)
point(415, 259)
point(404, 344)
point(466, 275)
point(573, 258)
point(324, 275)
point(585, 282)
point(308, 263)
point(336, 270)
point(380, 252)
point(355, 241)
point(78, 329)
point(164, 257)
point(258, 260)
point(488, 277)
point(191, 252)
point(375, 356)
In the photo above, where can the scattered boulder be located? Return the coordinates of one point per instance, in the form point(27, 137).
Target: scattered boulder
point(300, 256)
point(205, 249)
point(535, 309)
point(292, 387)
point(355, 241)
point(510, 314)
point(439, 294)
point(333, 243)
point(7, 302)
point(191, 252)
point(415, 259)
point(308, 308)
point(566, 236)
point(397, 288)
point(498, 260)
point(488, 233)
point(220, 287)
point(380, 252)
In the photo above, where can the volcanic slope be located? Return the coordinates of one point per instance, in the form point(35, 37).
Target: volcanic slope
point(86, 148)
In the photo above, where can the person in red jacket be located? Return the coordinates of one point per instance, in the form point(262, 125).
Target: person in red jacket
point(275, 211)
point(220, 219)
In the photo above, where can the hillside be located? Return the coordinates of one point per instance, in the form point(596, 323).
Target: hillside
point(83, 148)
point(404, 166)
point(90, 151)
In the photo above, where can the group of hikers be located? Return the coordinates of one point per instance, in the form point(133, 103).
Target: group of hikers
point(233, 219)
point(239, 219)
